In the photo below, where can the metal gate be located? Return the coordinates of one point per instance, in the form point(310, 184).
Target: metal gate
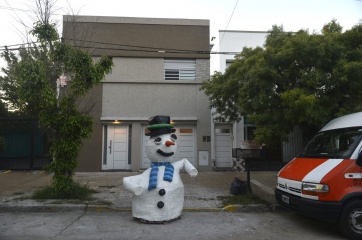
point(22, 145)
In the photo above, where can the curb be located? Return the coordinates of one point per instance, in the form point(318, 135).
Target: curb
point(105, 208)
point(257, 208)
point(202, 209)
point(43, 208)
point(248, 208)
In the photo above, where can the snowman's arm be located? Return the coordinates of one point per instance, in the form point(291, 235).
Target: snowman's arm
point(189, 168)
point(133, 184)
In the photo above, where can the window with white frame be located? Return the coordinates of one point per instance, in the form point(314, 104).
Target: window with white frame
point(180, 69)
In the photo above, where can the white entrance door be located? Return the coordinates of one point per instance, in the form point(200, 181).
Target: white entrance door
point(185, 145)
point(116, 147)
point(223, 143)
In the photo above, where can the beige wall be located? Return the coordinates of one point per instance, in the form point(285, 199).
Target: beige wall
point(136, 70)
point(142, 100)
point(135, 103)
point(90, 156)
point(127, 69)
point(139, 37)
point(136, 89)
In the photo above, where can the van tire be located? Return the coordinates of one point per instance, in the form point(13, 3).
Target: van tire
point(350, 221)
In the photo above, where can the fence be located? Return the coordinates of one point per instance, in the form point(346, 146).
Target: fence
point(255, 160)
point(22, 145)
point(259, 159)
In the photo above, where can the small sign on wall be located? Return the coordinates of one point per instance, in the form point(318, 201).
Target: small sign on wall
point(203, 158)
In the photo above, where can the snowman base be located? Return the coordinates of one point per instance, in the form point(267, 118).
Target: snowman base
point(140, 220)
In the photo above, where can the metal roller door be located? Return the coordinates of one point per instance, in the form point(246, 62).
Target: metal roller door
point(185, 145)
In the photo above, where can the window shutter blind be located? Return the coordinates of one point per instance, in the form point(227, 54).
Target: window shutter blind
point(180, 69)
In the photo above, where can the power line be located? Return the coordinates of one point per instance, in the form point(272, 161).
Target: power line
point(237, 1)
point(160, 50)
point(132, 46)
point(20, 44)
point(128, 48)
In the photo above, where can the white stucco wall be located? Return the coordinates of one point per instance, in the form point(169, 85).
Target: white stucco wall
point(235, 41)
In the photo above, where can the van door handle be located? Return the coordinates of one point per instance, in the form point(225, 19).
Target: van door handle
point(110, 146)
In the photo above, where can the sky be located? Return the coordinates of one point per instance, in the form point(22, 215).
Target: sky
point(251, 15)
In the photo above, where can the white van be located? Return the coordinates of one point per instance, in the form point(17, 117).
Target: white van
point(325, 180)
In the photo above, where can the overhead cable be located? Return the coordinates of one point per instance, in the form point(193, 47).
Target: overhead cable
point(123, 47)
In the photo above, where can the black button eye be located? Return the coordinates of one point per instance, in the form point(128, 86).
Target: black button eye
point(173, 137)
point(158, 140)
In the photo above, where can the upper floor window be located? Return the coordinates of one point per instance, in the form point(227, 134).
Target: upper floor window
point(180, 69)
point(229, 62)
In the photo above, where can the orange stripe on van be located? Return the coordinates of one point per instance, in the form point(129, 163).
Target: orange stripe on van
point(339, 185)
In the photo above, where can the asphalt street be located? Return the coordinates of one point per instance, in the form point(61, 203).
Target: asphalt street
point(203, 216)
point(192, 225)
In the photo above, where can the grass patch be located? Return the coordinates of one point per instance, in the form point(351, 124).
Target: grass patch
point(79, 192)
point(240, 199)
point(18, 193)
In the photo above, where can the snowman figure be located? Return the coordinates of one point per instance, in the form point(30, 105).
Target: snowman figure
point(158, 193)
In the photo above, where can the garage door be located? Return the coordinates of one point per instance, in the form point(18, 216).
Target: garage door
point(185, 145)
point(223, 157)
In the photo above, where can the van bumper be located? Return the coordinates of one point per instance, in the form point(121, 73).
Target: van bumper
point(325, 211)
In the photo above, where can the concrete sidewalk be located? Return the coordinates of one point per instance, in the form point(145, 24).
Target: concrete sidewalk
point(201, 192)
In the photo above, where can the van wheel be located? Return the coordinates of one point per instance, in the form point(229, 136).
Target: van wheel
point(350, 222)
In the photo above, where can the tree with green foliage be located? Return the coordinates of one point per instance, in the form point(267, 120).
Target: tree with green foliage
point(30, 83)
point(295, 79)
point(3, 110)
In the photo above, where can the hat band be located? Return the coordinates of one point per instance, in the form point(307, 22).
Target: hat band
point(160, 132)
point(160, 125)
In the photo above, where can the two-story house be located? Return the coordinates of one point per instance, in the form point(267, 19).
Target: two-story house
point(159, 65)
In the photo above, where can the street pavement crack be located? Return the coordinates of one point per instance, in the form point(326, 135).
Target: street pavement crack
point(71, 223)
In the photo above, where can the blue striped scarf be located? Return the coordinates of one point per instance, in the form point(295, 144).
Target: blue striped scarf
point(167, 176)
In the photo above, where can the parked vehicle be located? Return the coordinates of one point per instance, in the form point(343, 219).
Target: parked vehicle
point(325, 181)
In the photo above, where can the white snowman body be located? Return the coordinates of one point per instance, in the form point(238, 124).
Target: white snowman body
point(166, 201)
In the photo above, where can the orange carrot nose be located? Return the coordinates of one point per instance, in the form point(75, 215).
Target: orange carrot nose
point(169, 143)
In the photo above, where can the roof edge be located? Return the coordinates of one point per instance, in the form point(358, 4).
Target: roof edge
point(136, 20)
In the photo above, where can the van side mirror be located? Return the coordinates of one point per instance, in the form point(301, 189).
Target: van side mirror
point(359, 159)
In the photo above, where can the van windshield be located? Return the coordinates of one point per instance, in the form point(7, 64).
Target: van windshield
point(337, 143)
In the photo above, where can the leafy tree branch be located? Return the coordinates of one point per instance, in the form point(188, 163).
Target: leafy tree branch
point(30, 83)
point(295, 79)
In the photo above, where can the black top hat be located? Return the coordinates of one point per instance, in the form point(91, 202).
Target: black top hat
point(159, 124)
